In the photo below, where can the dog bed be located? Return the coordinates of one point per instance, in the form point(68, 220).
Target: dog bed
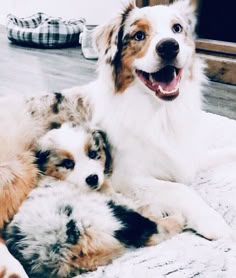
point(187, 255)
point(44, 31)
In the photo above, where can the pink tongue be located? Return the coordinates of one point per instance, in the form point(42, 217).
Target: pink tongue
point(165, 86)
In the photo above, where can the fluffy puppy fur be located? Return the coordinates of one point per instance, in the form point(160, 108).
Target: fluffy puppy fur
point(20, 129)
point(21, 125)
point(76, 154)
point(73, 231)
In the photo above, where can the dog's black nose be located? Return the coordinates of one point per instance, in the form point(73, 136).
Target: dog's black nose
point(92, 181)
point(167, 49)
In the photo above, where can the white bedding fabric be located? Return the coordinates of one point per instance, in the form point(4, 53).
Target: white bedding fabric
point(187, 255)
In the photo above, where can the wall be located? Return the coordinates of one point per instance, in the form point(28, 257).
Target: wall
point(95, 11)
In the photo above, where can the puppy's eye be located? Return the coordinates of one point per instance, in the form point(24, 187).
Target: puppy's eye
point(139, 36)
point(92, 154)
point(67, 163)
point(177, 28)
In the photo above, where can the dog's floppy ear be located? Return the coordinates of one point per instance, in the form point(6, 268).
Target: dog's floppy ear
point(107, 37)
point(103, 141)
point(41, 159)
point(42, 152)
point(187, 11)
point(48, 139)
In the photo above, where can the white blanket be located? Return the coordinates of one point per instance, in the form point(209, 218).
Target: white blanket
point(187, 255)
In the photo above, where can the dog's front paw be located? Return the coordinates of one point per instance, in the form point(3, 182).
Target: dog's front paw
point(212, 226)
point(9, 266)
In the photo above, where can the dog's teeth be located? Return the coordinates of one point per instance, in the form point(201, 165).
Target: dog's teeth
point(175, 73)
point(151, 78)
point(168, 92)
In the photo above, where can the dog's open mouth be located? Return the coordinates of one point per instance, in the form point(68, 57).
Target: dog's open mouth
point(165, 82)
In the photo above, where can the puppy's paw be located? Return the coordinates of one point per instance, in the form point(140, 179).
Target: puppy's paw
point(9, 266)
point(171, 225)
point(167, 227)
point(212, 226)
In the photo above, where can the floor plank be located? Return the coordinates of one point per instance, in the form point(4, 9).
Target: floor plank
point(30, 70)
point(220, 99)
point(23, 69)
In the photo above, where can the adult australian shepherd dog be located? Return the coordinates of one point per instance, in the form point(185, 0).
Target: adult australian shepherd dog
point(148, 100)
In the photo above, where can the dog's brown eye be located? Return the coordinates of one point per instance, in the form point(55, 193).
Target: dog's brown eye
point(92, 154)
point(67, 163)
point(177, 28)
point(139, 36)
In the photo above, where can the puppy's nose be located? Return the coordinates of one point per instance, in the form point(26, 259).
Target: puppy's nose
point(167, 49)
point(92, 181)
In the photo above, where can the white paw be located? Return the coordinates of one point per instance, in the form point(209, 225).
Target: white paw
point(212, 226)
point(9, 266)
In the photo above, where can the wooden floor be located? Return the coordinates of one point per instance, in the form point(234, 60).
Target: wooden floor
point(29, 70)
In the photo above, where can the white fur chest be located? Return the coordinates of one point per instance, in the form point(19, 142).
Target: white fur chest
point(148, 138)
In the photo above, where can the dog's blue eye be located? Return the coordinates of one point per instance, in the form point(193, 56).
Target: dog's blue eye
point(67, 163)
point(177, 28)
point(92, 154)
point(139, 36)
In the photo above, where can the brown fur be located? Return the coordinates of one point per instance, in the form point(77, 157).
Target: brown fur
point(2, 272)
point(110, 36)
point(167, 228)
point(94, 250)
point(14, 276)
point(55, 158)
point(87, 147)
point(17, 178)
point(131, 51)
point(109, 39)
point(103, 158)
point(105, 37)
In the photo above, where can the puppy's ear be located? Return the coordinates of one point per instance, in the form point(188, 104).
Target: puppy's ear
point(187, 11)
point(108, 37)
point(48, 139)
point(72, 232)
point(103, 142)
point(41, 159)
point(136, 229)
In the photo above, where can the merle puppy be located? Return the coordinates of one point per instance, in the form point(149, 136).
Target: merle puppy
point(64, 228)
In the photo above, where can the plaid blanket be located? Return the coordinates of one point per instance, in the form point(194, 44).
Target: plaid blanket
point(44, 31)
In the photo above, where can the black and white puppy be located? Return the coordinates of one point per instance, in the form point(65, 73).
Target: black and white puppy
point(62, 229)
